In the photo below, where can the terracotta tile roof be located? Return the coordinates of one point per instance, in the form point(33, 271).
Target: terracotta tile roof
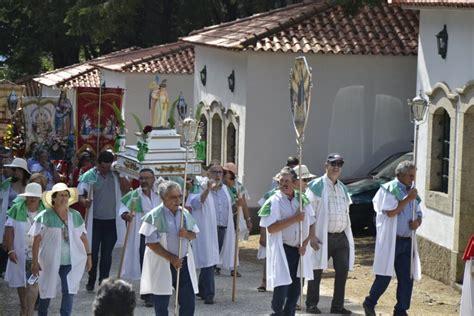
point(317, 27)
point(32, 88)
point(435, 3)
point(174, 58)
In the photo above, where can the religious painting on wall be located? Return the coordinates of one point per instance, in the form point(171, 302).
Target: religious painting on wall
point(96, 121)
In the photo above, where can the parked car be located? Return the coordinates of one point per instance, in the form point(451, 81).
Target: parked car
point(363, 191)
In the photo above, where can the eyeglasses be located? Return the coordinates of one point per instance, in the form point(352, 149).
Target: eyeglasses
point(306, 180)
point(216, 172)
point(337, 164)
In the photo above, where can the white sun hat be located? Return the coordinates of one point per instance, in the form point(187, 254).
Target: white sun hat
point(32, 190)
point(305, 174)
point(59, 187)
point(18, 163)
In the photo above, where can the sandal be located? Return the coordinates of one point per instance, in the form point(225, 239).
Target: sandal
point(261, 288)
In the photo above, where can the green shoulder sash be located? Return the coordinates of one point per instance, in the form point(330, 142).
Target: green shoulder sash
point(265, 210)
point(317, 186)
point(90, 176)
point(394, 189)
point(156, 217)
point(133, 201)
point(5, 184)
point(49, 218)
point(19, 211)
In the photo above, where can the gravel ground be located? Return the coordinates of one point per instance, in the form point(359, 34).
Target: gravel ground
point(430, 297)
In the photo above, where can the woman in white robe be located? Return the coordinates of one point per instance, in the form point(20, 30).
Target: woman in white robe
point(19, 245)
point(60, 248)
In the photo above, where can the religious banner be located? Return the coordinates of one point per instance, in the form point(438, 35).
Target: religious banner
point(96, 121)
point(10, 101)
point(39, 116)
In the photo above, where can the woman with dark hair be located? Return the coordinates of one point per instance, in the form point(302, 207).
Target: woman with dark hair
point(114, 297)
point(60, 248)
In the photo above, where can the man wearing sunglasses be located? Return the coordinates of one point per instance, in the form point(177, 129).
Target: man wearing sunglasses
point(333, 234)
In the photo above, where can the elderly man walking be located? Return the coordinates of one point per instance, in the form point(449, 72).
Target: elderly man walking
point(333, 234)
point(163, 233)
point(394, 204)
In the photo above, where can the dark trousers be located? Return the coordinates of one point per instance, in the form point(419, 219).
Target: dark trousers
point(221, 230)
point(405, 283)
point(104, 237)
point(3, 259)
point(285, 297)
point(186, 297)
point(67, 299)
point(338, 250)
point(207, 287)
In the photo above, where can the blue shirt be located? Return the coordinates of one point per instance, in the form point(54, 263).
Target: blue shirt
point(172, 238)
point(405, 216)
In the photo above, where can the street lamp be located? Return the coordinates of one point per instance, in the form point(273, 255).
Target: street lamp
point(418, 107)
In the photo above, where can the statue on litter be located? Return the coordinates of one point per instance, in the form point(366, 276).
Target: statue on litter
point(159, 104)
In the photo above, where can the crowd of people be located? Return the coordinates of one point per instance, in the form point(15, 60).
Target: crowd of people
point(53, 228)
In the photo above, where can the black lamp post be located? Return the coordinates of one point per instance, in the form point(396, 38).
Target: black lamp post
point(442, 41)
point(203, 74)
point(231, 81)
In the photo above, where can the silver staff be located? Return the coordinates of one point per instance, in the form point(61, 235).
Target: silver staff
point(300, 101)
point(190, 128)
point(418, 107)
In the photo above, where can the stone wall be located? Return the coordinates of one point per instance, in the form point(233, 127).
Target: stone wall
point(435, 260)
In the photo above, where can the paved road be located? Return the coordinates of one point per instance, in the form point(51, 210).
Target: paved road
point(249, 301)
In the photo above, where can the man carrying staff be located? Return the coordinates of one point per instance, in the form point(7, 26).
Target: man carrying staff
point(330, 201)
point(103, 217)
point(394, 204)
point(212, 209)
point(134, 206)
point(280, 216)
point(163, 234)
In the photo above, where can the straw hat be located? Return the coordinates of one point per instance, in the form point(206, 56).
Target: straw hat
point(18, 163)
point(305, 174)
point(32, 190)
point(59, 187)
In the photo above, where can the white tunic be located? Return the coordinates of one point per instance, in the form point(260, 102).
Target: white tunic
point(384, 257)
point(467, 296)
point(156, 275)
point(206, 244)
point(15, 273)
point(320, 257)
point(50, 257)
point(278, 272)
point(131, 261)
point(120, 225)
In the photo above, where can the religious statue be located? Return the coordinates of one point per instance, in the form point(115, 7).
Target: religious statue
point(159, 104)
point(63, 116)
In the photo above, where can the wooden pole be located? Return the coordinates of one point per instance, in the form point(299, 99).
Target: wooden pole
point(178, 272)
point(300, 157)
point(236, 249)
point(127, 232)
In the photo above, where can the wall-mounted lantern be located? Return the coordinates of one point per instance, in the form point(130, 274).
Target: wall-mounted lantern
point(442, 41)
point(231, 81)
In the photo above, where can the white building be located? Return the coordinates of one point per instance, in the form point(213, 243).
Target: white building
point(364, 69)
point(133, 70)
point(445, 144)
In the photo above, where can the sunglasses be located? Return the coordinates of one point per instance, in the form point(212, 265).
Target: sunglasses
point(337, 164)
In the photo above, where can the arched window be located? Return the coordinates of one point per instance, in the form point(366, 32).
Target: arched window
point(440, 142)
point(216, 137)
point(231, 143)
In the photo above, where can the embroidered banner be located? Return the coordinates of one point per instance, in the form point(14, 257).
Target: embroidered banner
point(96, 120)
point(39, 116)
point(13, 92)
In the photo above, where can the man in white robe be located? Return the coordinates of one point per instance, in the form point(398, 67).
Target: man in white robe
point(467, 295)
point(333, 233)
point(394, 204)
point(168, 230)
point(134, 205)
point(281, 218)
point(212, 209)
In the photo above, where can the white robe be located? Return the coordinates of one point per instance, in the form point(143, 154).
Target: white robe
point(278, 272)
point(131, 261)
point(3, 211)
point(467, 296)
point(15, 274)
point(50, 257)
point(156, 276)
point(384, 257)
point(320, 257)
point(119, 223)
point(206, 245)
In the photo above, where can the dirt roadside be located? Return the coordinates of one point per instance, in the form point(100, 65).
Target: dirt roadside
point(430, 297)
